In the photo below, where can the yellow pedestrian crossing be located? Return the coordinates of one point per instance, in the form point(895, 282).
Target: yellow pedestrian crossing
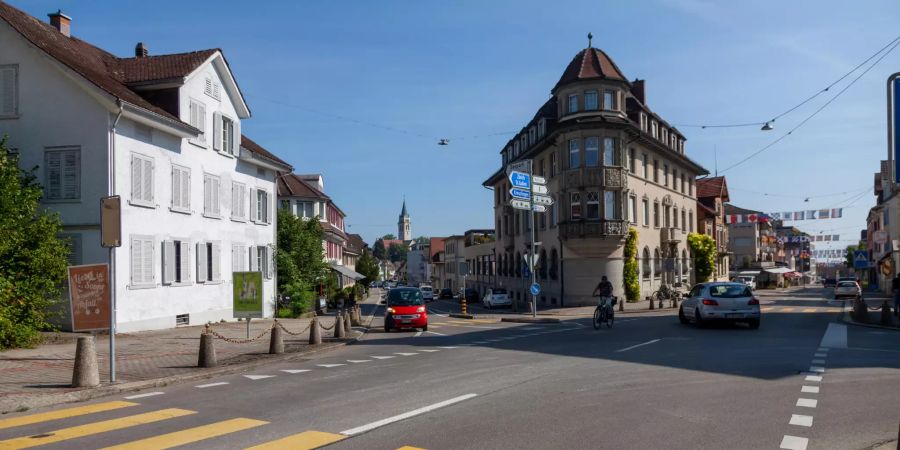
point(190, 435)
point(301, 441)
point(407, 447)
point(93, 428)
point(63, 414)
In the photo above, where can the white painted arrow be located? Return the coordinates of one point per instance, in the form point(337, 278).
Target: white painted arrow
point(295, 370)
point(258, 377)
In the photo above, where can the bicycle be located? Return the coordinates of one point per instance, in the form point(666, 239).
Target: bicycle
point(604, 313)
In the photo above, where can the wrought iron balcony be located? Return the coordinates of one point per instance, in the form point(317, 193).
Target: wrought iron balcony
point(602, 177)
point(671, 235)
point(593, 229)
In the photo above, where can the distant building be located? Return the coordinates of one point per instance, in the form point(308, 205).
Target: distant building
point(404, 225)
point(753, 244)
point(712, 194)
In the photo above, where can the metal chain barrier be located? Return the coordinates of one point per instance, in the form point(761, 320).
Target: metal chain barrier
point(209, 330)
point(328, 328)
point(290, 332)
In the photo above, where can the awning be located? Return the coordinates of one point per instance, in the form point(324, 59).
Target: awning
point(792, 275)
point(778, 270)
point(345, 271)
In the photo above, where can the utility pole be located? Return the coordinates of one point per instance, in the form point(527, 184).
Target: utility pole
point(532, 250)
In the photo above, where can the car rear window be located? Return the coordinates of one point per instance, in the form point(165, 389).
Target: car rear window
point(499, 291)
point(847, 284)
point(729, 291)
point(405, 297)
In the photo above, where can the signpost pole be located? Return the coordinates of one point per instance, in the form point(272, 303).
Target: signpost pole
point(112, 316)
point(533, 253)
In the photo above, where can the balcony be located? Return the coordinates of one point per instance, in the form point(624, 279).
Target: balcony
point(597, 229)
point(671, 235)
point(603, 177)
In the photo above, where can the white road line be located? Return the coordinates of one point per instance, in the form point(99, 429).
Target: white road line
point(815, 378)
point(357, 361)
point(466, 345)
point(835, 336)
point(636, 346)
point(383, 357)
point(817, 369)
point(407, 415)
point(258, 377)
point(429, 350)
point(418, 333)
point(794, 442)
point(807, 402)
point(328, 366)
point(406, 354)
point(624, 320)
point(480, 342)
point(149, 394)
point(204, 386)
point(822, 349)
point(801, 420)
point(818, 361)
point(810, 389)
point(294, 370)
point(436, 333)
point(447, 347)
point(821, 355)
point(495, 340)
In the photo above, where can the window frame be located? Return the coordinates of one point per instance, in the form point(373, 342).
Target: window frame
point(589, 203)
point(212, 207)
point(645, 205)
point(611, 149)
point(611, 95)
point(142, 284)
point(14, 68)
point(575, 202)
point(180, 208)
point(200, 124)
point(151, 203)
point(572, 108)
point(242, 207)
point(612, 200)
point(62, 151)
point(588, 151)
point(574, 151)
point(596, 96)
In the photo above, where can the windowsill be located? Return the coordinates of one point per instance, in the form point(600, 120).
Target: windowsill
point(62, 200)
point(238, 219)
point(225, 154)
point(200, 144)
point(141, 286)
point(207, 283)
point(142, 205)
point(181, 284)
point(180, 211)
point(14, 116)
point(210, 216)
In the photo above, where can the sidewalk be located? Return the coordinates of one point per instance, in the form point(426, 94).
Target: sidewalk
point(42, 375)
point(874, 302)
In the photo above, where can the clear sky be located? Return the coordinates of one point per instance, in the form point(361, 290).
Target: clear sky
point(329, 83)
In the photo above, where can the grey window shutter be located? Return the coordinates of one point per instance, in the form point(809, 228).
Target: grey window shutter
point(254, 266)
point(53, 175)
point(201, 262)
point(148, 180)
point(217, 131)
point(8, 94)
point(270, 266)
point(185, 261)
point(253, 208)
point(216, 198)
point(186, 189)
point(137, 261)
point(216, 249)
point(236, 142)
point(207, 195)
point(149, 270)
point(201, 116)
point(71, 174)
point(137, 175)
point(176, 187)
point(236, 253)
point(168, 261)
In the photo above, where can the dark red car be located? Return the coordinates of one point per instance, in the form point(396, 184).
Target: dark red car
point(405, 309)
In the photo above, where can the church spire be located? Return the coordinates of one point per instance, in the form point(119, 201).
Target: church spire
point(403, 213)
point(404, 225)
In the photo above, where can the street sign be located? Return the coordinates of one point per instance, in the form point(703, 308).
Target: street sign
point(520, 204)
point(520, 193)
point(89, 297)
point(538, 208)
point(520, 180)
point(535, 289)
point(860, 259)
point(247, 295)
point(880, 237)
point(538, 180)
point(539, 189)
point(531, 260)
point(893, 86)
point(519, 166)
point(111, 221)
point(543, 200)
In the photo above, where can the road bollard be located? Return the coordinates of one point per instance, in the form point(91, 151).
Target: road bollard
point(860, 310)
point(462, 305)
point(651, 302)
point(86, 373)
point(886, 318)
point(661, 302)
point(347, 325)
point(354, 317)
point(338, 326)
point(207, 356)
point(276, 343)
point(315, 336)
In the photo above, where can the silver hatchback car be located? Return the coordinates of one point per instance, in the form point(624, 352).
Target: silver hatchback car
point(716, 301)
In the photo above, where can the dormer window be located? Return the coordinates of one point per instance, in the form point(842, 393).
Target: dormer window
point(573, 103)
point(665, 135)
point(643, 122)
point(524, 141)
point(590, 101)
point(654, 129)
point(673, 142)
point(532, 135)
point(542, 128)
point(609, 100)
point(516, 150)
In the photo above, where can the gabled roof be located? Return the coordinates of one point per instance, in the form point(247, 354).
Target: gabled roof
point(291, 185)
point(253, 147)
point(162, 67)
point(589, 64)
point(731, 209)
point(712, 187)
point(355, 243)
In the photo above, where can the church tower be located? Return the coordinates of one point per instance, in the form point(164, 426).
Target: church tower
point(404, 230)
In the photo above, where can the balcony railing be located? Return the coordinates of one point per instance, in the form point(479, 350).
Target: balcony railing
point(604, 177)
point(671, 234)
point(594, 229)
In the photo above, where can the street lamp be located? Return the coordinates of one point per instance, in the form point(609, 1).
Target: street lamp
point(768, 127)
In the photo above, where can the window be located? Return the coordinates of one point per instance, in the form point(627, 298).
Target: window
point(674, 217)
point(645, 263)
point(62, 174)
point(656, 171)
point(176, 262)
point(238, 201)
point(9, 90)
point(575, 205)
point(691, 188)
point(516, 149)
point(211, 195)
point(665, 135)
point(524, 140)
point(632, 209)
point(591, 152)
point(207, 87)
point(646, 163)
point(286, 205)
point(261, 260)
point(305, 210)
point(181, 189)
point(683, 221)
point(593, 204)
point(208, 262)
point(141, 180)
point(609, 102)
point(590, 100)
point(631, 161)
point(666, 175)
point(142, 261)
point(611, 205)
point(609, 152)
point(238, 258)
point(553, 164)
point(73, 241)
point(654, 129)
point(673, 141)
point(574, 155)
point(656, 214)
point(227, 134)
point(573, 103)
point(657, 263)
point(683, 184)
point(554, 214)
point(643, 122)
point(542, 128)
point(198, 121)
point(645, 211)
point(690, 221)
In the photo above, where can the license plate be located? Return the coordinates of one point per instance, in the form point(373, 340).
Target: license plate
point(733, 316)
point(406, 321)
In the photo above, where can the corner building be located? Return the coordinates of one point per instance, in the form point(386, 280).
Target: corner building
point(611, 163)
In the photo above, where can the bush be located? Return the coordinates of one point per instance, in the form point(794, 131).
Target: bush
point(630, 269)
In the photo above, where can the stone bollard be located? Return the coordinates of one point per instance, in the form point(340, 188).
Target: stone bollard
point(276, 343)
point(338, 326)
point(86, 373)
point(207, 351)
point(661, 299)
point(860, 311)
point(315, 335)
point(651, 302)
point(354, 317)
point(347, 325)
point(886, 318)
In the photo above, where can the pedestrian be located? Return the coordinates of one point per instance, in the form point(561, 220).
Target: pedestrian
point(895, 288)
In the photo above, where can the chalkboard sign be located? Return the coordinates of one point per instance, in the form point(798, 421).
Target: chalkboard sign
point(89, 297)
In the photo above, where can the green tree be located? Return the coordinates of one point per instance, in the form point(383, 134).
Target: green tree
point(703, 249)
point(300, 259)
point(32, 257)
point(397, 253)
point(389, 237)
point(367, 266)
point(378, 250)
point(422, 240)
point(630, 269)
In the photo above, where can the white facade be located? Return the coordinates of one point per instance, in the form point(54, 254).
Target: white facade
point(183, 195)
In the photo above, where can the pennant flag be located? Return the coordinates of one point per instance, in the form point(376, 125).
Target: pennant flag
point(824, 214)
point(811, 215)
point(752, 218)
point(775, 216)
point(798, 215)
point(837, 213)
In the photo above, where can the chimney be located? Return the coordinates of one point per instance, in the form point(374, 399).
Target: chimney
point(61, 22)
point(637, 90)
point(140, 51)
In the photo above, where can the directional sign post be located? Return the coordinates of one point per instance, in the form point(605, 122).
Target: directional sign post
point(524, 194)
point(520, 204)
point(520, 180)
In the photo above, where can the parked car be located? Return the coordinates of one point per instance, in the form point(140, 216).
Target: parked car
point(829, 282)
point(446, 293)
point(427, 293)
point(720, 301)
point(853, 279)
point(405, 309)
point(496, 297)
point(748, 280)
point(847, 288)
point(471, 295)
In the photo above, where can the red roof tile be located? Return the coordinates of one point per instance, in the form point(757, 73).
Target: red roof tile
point(712, 187)
point(258, 149)
point(161, 67)
point(291, 185)
point(590, 63)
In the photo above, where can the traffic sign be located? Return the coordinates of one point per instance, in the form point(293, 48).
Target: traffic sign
point(538, 208)
point(880, 237)
point(520, 204)
point(539, 189)
point(520, 193)
point(543, 200)
point(860, 259)
point(519, 166)
point(531, 260)
point(535, 289)
point(538, 180)
point(520, 180)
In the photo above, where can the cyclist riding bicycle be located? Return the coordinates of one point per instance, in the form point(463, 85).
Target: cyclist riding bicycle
point(604, 312)
point(604, 290)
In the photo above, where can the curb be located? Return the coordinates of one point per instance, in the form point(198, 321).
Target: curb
point(845, 318)
point(461, 316)
point(132, 386)
point(531, 319)
point(626, 312)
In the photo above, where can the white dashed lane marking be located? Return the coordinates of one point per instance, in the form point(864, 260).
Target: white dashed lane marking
point(406, 354)
point(328, 366)
point(383, 357)
point(801, 420)
point(357, 361)
point(817, 369)
point(429, 350)
point(295, 370)
point(204, 386)
point(818, 361)
point(807, 402)
point(149, 394)
point(794, 443)
point(258, 377)
point(810, 389)
point(815, 378)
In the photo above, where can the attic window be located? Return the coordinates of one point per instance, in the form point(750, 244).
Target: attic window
point(212, 89)
point(542, 128)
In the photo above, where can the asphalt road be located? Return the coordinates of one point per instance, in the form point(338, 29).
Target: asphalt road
point(649, 382)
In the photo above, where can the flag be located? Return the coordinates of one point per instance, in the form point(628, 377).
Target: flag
point(824, 214)
point(837, 213)
point(811, 215)
point(787, 215)
point(752, 218)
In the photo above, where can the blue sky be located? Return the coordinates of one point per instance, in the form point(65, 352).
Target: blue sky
point(472, 68)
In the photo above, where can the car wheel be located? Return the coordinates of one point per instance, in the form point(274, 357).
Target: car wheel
point(425, 328)
point(387, 329)
point(698, 319)
point(681, 317)
point(754, 324)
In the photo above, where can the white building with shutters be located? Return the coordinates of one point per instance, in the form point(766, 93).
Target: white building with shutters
point(162, 132)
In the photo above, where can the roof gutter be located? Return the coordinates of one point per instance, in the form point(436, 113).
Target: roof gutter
point(152, 119)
